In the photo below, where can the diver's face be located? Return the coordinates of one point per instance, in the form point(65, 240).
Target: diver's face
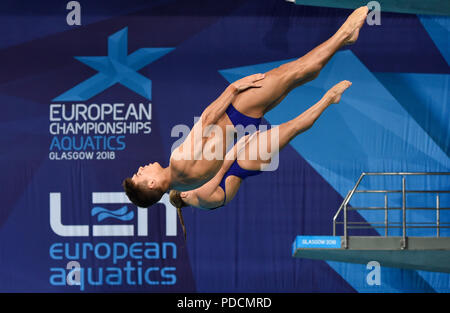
point(146, 172)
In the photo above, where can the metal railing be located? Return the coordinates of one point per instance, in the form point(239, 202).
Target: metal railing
point(438, 225)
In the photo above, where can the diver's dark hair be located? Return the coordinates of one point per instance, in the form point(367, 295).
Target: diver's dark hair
point(140, 195)
point(175, 199)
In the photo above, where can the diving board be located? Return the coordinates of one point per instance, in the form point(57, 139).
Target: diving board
point(421, 253)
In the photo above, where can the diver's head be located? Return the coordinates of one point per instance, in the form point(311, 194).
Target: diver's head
point(147, 186)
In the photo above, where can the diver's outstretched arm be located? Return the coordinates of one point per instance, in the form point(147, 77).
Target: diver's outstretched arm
point(207, 195)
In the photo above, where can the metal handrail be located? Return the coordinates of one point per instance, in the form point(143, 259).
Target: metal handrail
point(337, 214)
point(344, 206)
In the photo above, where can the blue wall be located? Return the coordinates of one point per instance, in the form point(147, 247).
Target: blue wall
point(394, 118)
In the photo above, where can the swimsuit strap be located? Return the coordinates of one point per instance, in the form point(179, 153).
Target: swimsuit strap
point(235, 170)
point(237, 118)
point(222, 185)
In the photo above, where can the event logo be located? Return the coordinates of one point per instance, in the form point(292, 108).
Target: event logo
point(121, 214)
point(106, 260)
point(99, 130)
point(101, 213)
point(116, 67)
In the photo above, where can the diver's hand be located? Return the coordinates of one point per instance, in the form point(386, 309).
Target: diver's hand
point(252, 81)
point(175, 199)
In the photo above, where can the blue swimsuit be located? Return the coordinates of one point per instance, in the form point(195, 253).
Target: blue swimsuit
point(237, 118)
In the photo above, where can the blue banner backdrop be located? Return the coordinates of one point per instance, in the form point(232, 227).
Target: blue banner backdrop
point(83, 106)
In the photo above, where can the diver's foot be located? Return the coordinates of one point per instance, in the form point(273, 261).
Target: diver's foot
point(337, 90)
point(353, 24)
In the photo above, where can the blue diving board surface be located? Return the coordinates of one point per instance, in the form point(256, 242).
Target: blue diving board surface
point(421, 253)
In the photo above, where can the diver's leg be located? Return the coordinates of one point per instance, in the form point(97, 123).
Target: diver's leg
point(256, 156)
point(280, 81)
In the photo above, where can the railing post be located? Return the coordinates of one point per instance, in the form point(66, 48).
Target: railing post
point(345, 227)
point(385, 215)
point(338, 212)
point(403, 242)
point(345, 208)
point(437, 216)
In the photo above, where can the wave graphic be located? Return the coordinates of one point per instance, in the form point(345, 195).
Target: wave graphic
point(121, 214)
